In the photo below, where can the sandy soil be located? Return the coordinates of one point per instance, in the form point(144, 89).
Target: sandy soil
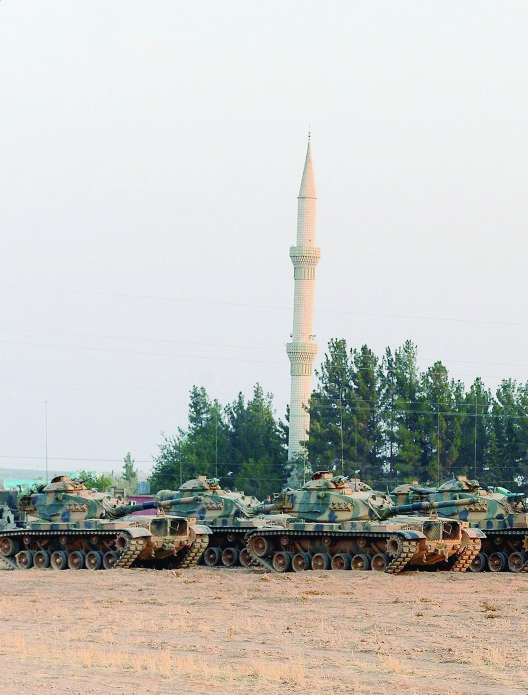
point(216, 630)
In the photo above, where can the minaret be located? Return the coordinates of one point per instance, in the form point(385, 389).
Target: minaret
point(302, 350)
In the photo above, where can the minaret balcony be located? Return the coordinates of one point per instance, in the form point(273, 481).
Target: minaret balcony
point(301, 352)
point(305, 255)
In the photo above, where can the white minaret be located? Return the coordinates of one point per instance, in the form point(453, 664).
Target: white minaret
point(302, 350)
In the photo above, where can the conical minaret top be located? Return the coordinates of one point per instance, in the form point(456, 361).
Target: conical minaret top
point(308, 181)
point(302, 350)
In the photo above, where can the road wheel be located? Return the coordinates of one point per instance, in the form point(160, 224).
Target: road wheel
point(24, 559)
point(341, 561)
point(230, 557)
point(76, 560)
point(260, 545)
point(9, 546)
point(110, 559)
point(480, 563)
point(321, 561)
point(516, 561)
point(59, 560)
point(497, 562)
point(211, 556)
point(245, 558)
point(360, 562)
point(41, 559)
point(282, 561)
point(301, 562)
point(94, 560)
point(379, 562)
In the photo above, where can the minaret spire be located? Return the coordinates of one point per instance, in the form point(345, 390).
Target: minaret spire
point(302, 350)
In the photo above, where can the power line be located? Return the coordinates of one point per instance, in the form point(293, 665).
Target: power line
point(138, 352)
point(69, 458)
point(262, 306)
point(128, 338)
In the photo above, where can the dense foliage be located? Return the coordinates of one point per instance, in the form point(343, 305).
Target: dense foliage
point(386, 419)
point(379, 416)
point(241, 444)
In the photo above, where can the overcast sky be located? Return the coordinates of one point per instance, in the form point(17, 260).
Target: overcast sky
point(150, 164)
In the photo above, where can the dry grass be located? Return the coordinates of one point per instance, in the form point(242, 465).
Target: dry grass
point(163, 663)
point(222, 631)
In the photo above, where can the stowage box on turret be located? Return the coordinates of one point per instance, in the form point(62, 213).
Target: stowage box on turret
point(67, 525)
point(344, 524)
point(501, 514)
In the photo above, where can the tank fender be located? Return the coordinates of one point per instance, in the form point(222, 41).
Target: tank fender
point(137, 531)
point(410, 535)
point(474, 532)
point(201, 528)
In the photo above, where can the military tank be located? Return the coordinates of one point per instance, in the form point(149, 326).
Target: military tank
point(336, 523)
point(501, 514)
point(229, 515)
point(66, 525)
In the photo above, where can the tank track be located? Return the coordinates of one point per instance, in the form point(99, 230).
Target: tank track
point(194, 553)
point(131, 552)
point(6, 564)
point(409, 548)
point(524, 568)
point(467, 555)
point(260, 561)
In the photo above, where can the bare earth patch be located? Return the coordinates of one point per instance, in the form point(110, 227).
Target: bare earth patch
point(212, 630)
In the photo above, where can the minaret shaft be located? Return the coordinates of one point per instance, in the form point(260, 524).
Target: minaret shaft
point(302, 350)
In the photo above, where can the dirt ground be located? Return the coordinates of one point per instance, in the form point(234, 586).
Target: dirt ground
point(217, 630)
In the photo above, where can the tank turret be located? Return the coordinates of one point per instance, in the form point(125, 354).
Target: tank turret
point(334, 522)
point(65, 499)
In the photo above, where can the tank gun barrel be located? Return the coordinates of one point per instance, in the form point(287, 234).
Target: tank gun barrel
point(127, 509)
point(266, 508)
point(427, 506)
point(167, 501)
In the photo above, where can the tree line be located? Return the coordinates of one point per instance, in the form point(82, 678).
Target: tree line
point(393, 423)
point(377, 417)
point(241, 444)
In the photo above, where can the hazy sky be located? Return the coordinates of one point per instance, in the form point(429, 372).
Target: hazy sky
point(150, 162)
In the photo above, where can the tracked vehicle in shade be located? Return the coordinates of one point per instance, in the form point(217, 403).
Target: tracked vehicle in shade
point(65, 525)
point(229, 515)
point(337, 523)
point(501, 514)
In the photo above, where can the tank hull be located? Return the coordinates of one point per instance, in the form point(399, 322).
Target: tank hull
point(103, 544)
point(387, 547)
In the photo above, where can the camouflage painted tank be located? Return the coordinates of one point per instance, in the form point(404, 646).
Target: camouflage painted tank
point(228, 514)
point(501, 514)
point(67, 525)
point(344, 524)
